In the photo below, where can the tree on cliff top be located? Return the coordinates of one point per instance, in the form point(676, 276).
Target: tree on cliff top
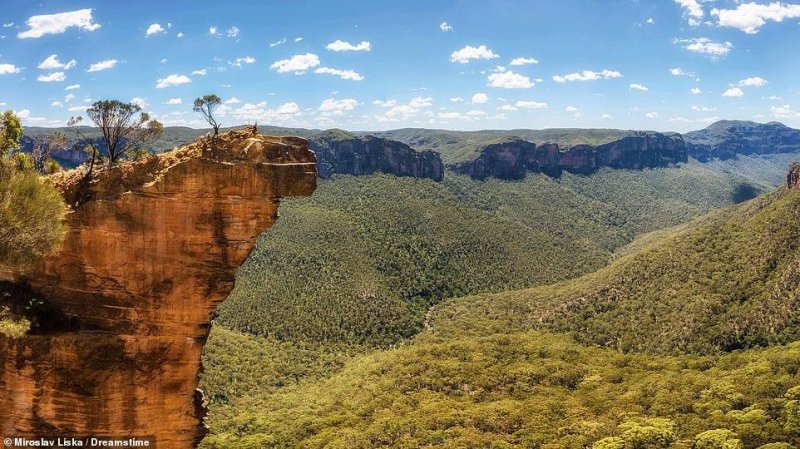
point(124, 127)
point(206, 106)
point(10, 132)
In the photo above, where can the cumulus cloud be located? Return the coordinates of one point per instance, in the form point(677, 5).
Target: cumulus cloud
point(523, 61)
point(174, 101)
point(251, 112)
point(456, 100)
point(750, 17)
point(480, 98)
point(753, 81)
point(52, 63)
point(587, 75)
point(343, 74)
point(651, 115)
point(395, 112)
point(509, 80)
point(233, 32)
point(102, 65)
point(6, 69)
point(52, 77)
point(706, 46)
point(469, 53)
point(338, 45)
point(238, 62)
point(530, 105)
point(232, 100)
point(154, 28)
point(73, 87)
point(783, 111)
point(332, 106)
point(138, 101)
point(297, 63)
point(571, 109)
point(201, 72)
point(637, 86)
point(58, 23)
point(444, 26)
point(212, 30)
point(695, 91)
point(691, 10)
point(172, 80)
point(733, 92)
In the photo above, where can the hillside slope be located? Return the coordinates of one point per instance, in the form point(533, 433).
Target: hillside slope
point(729, 280)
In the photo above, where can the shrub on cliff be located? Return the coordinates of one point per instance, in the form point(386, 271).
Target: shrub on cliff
point(31, 216)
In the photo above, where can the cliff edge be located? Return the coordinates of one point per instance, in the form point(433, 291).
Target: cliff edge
point(121, 312)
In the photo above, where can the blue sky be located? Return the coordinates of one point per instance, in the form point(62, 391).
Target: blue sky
point(669, 65)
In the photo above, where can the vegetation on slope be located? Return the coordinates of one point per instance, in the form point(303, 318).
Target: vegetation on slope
point(364, 258)
point(731, 280)
point(525, 390)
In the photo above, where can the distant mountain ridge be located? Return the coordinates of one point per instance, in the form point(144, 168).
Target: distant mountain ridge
point(505, 154)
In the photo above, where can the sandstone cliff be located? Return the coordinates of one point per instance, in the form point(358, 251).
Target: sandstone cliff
point(513, 158)
point(727, 138)
point(793, 177)
point(126, 305)
point(340, 152)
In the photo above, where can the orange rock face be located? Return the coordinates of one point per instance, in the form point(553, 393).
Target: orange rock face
point(152, 248)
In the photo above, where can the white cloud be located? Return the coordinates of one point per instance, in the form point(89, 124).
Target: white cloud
point(58, 23)
point(702, 108)
point(154, 28)
point(571, 109)
point(69, 97)
point(783, 111)
point(750, 17)
point(52, 63)
point(649, 21)
point(506, 108)
point(102, 65)
point(468, 53)
point(396, 112)
point(706, 46)
point(174, 101)
point(73, 87)
point(77, 109)
point(54, 77)
point(298, 38)
point(5, 69)
point(774, 98)
point(201, 72)
point(509, 80)
point(587, 75)
point(297, 63)
point(278, 42)
point(233, 32)
point(338, 45)
point(444, 26)
point(677, 71)
point(385, 104)
point(179, 35)
point(651, 115)
point(530, 105)
point(172, 80)
point(695, 91)
point(238, 62)
point(452, 115)
point(733, 92)
point(260, 112)
point(639, 87)
point(212, 30)
point(456, 100)
point(480, 98)
point(232, 100)
point(692, 11)
point(523, 61)
point(606, 116)
point(56, 104)
point(138, 101)
point(343, 74)
point(331, 106)
point(25, 116)
point(753, 81)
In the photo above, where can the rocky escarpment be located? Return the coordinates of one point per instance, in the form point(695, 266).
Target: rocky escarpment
point(152, 247)
point(793, 177)
point(513, 158)
point(341, 152)
point(727, 138)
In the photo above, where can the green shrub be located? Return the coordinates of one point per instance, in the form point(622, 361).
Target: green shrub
point(717, 439)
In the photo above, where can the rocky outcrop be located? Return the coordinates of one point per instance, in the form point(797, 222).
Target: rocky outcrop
point(513, 158)
point(793, 177)
point(341, 152)
point(126, 304)
point(727, 138)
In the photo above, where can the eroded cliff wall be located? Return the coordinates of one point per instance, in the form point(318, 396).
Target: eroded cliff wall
point(152, 247)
